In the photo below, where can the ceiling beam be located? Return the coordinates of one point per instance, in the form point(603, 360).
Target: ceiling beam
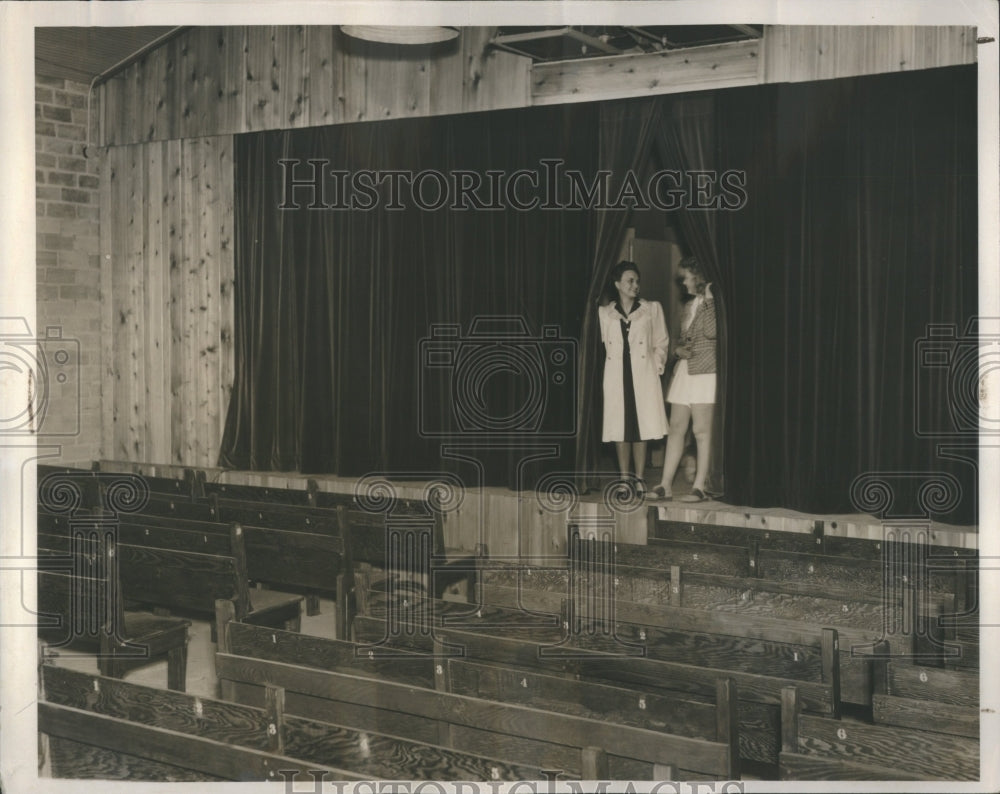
point(747, 30)
point(670, 71)
point(592, 41)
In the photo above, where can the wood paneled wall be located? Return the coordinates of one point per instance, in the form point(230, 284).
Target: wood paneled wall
point(799, 53)
point(668, 72)
point(224, 80)
point(167, 278)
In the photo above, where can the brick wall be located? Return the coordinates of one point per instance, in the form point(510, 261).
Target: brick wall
point(68, 266)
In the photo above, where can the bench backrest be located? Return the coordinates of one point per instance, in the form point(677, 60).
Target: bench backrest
point(311, 560)
point(163, 576)
point(183, 579)
point(75, 609)
point(471, 724)
point(240, 742)
point(906, 694)
point(542, 649)
point(841, 750)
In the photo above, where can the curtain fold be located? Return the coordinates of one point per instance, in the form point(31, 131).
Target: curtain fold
point(627, 132)
point(858, 237)
point(685, 142)
point(336, 309)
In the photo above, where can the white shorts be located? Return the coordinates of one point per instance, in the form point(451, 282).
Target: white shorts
point(688, 389)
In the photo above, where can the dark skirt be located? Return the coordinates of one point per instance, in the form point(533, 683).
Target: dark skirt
point(628, 389)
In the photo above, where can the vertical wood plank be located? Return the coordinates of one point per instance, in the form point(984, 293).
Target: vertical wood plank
point(274, 705)
point(445, 75)
point(830, 654)
point(676, 586)
point(206, 74)
point(173, 218)
point(293, 97)
point(138, 397)
point(108, 186)
point(131, 93)
point(156, 118)
point(121, 318)
point(325, 72)
point(355, 71)
point(593, 764)
point(190, 192)
point(189, 87)
point(262, 79)
point(789, 720)
point(727, 722)
point(176, 107)
point(230, 47)
point(211, 244)
point(156, 310)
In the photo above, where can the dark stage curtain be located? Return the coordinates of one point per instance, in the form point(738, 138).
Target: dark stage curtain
point(858, 236)
point(626, 134)
point(686, 142)
point(336, 309)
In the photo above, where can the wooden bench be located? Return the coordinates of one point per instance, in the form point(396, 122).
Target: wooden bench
point(578, 746)
point(510, 637)
point(801, 578)
point(538, 593)
point(83, 606)
point(669, 713)
point(370, 535)
point(593, 565)
point(915, 696)
point(306, 562)
point(819, 748)
point(96, 725)
point(778, 551)
point(190, 581)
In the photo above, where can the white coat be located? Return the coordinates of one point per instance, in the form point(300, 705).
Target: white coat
point(648, 342)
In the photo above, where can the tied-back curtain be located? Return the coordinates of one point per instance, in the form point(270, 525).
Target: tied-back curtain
point(686, 142)
point(858, 236)
point(335, 308)
point(626, 134)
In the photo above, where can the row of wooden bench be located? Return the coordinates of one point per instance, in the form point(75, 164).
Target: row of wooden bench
point(864, 573)
point(361, 714)
point(304, 561)
point(301, 551)
point(768, 629)
point(762, 670)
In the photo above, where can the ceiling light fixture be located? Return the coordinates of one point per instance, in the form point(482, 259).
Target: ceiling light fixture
point(392, 34)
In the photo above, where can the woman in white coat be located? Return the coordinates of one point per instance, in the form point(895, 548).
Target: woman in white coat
point(635, 342)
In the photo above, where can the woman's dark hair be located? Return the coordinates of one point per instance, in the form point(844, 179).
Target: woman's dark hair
point(619, 270)
point(693, 266)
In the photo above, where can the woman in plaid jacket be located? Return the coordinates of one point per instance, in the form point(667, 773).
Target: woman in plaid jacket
point(692, 390)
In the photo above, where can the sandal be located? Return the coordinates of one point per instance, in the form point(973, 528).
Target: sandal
point(696, 495)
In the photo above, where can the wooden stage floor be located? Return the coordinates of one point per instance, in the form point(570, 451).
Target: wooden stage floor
point(531, 524)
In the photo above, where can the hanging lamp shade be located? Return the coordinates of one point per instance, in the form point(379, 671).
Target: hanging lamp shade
point(398, 34)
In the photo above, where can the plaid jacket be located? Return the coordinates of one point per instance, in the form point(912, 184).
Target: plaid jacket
point(699, 338)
